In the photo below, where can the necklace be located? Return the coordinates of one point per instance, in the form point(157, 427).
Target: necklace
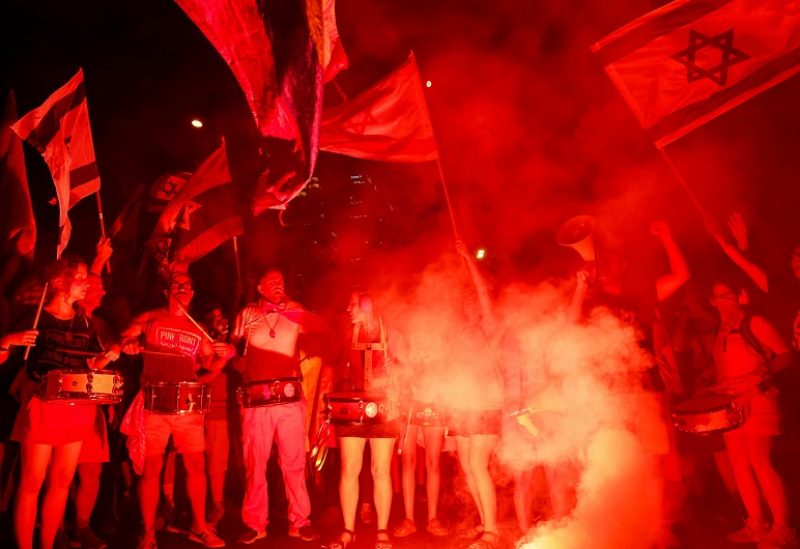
point(274, 325)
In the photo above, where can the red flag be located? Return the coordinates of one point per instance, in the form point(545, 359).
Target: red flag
point(215, 219)
point(59, 129)
point(17, 224)
point(692, 60)
point(325, 35)
point(236, 30)
point(211, 173)
point(164, 189)
point(269, 48)
point(389, 121)
point(129, 215)
point(204, 213)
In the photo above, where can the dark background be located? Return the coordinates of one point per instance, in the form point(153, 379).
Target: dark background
point(530, 129)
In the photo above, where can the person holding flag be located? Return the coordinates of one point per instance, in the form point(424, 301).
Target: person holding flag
point(52, 434)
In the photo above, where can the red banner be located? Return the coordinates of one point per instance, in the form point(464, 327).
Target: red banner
point(389, 121)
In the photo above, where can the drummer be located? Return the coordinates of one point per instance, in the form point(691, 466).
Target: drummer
point(371, 353)
point(171, 330)
point(63, 339)
point(267, 332)
point(747, 350)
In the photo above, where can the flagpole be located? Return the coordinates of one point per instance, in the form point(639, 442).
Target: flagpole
point(239, 285)
point(447, 197)
point(107, 264)
point(692, 196)
point(36, 319)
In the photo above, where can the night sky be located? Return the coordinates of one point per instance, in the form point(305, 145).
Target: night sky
point(531, 131)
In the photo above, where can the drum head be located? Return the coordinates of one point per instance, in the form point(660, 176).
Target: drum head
point(705, 403)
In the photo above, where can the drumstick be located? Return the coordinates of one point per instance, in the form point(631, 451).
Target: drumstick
point(36, 319)
point(405, 431)
point(193, 321)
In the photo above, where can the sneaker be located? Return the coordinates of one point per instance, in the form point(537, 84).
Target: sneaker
point(305, 533)
point(251, 536)
point(436, 528)
point(752, 532)
point(405, 528)
point(87, 539)
point(147, 541)
point(779, 537)
point(207, 537)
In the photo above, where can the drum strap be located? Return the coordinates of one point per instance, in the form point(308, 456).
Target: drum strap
point(368, 348)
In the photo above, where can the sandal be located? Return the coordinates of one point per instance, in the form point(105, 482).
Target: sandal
point(471, 533)
point(405, 528)
point(383, 543)
point(436, 528)
point(488, 540)
point(340, 543)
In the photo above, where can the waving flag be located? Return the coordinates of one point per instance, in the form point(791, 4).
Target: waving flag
point(59, 129)
point(389, 121)
point(325, 35)
point(692, 60)
point(17, 224)
point(204, 213)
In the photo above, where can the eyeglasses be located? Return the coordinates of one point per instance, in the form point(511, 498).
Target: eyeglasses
point(179, 285)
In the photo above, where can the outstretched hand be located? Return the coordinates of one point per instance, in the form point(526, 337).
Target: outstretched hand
point(738, 229)
point(462, 249)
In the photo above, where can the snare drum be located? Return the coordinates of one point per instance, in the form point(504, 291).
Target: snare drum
point(709, 413)
point(186, 397)
point(270, 392)
point(81, 386)
point(427, 415)
point(358, 408)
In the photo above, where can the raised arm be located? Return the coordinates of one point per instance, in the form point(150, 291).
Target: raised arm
point(739, 230)
point(669, 283)
point(478, 281)
point(102, 256)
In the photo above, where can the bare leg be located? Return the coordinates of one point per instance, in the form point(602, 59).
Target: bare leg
point(480, 448)
point(434, 440)
point(62, 471)
point(149, 491)
point(463, 448)
point(352, 454)
point(745, 480)
point(382, 453)
point(758, 451)
point(195, 464)
point(86, 494)
point(523, 503)
point(35, 458)
point(409, 471)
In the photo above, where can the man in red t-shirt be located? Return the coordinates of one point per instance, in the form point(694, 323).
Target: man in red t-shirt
point(170, 334)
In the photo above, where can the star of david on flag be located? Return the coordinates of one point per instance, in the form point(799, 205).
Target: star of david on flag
point(692, 60)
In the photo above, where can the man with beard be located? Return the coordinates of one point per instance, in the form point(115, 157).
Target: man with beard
point(273, 407)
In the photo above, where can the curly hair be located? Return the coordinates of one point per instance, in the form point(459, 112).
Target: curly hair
point(64, 268)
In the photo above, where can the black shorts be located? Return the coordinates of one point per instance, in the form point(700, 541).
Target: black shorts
point(389, 429)
point(464, 423)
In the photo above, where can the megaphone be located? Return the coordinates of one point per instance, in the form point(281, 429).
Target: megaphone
point(576, 233)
